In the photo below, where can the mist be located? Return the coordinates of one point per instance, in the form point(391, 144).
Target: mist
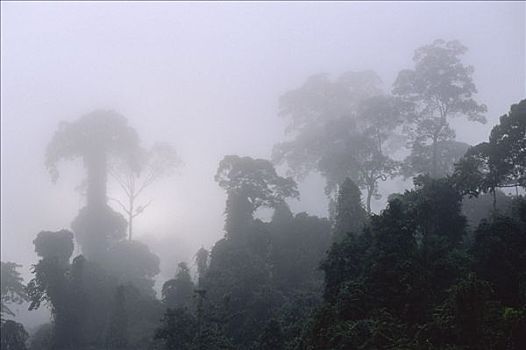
point(206, 78)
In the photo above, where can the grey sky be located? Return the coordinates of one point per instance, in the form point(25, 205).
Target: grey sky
point(206, 77)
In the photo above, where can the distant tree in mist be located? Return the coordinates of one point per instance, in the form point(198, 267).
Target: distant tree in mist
point(310, 107)
point(95, 138)
point(154, 164)
point(439, 87)
point(250, 184)
point(342, 128)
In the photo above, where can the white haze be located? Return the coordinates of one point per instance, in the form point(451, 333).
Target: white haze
point(206, 77)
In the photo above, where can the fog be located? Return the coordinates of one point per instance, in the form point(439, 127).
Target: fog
point(206, 78)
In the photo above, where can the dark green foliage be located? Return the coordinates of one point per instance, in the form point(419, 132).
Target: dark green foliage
point(264, 271)
point(178, 329)
point(509, 136)
point(344, 262)
point(238, 281)
point(472, 318)
point(381, 285)
point(13, 336)
point(272, 337)
point(298, 243)
point(498, 163)
point(181, 330)
point(499, 253)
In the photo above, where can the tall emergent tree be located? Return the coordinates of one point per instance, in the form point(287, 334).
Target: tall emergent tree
point(96, 138)
point(250, 183)
point(158, 162)
point(439, 87)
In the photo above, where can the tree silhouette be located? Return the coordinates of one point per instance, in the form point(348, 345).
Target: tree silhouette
point(499, 162)
point(439, 87)
point(342, 128)
point(96, 138)
point(250, 183)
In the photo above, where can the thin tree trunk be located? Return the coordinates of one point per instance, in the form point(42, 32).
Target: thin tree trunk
point(130, 219)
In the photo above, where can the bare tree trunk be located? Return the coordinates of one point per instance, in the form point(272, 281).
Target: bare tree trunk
point(130, 219)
